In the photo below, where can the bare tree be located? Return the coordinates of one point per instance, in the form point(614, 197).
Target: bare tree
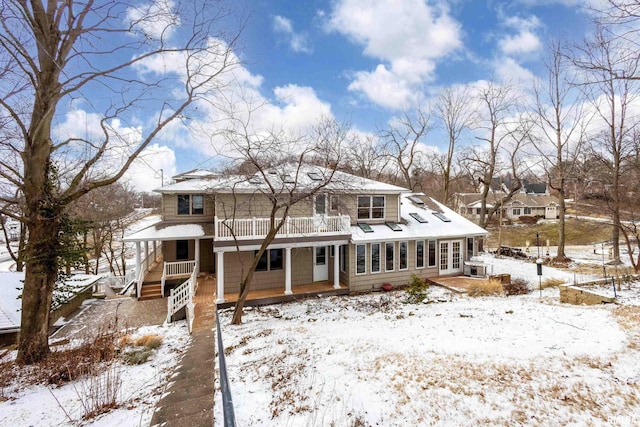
point(494, 126)
point(560, 121)
point(365, 156)
point(601, 61)
point(55, 56)
point(276, 166)
point(455, 110)
point(403, 139)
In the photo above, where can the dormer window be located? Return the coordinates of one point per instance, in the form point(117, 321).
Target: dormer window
point(190, 204)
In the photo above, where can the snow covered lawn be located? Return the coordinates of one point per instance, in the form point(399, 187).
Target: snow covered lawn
point(140, 389)
point(372, 360)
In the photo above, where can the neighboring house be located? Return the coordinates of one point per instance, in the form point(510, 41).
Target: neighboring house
point(355, 234)
point(66, 299)
point(521, 204)
point(10, 305)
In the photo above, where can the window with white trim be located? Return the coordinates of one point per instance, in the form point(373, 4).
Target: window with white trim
point(390, 256)
point(432, 253)
point(361, 259)
point(403, 255)
point(270, 260)
point(419, 253)
point(375, 258)
point(190, 204)
point(371, 207)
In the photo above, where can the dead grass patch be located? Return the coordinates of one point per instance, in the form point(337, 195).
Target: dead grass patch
point(578, 232)
point(483, 288)
point(151, 341)
point(552, 282)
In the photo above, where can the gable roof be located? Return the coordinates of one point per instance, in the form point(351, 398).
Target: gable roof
point(286, 176)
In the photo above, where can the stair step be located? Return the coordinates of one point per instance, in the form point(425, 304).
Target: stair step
point(150, 291)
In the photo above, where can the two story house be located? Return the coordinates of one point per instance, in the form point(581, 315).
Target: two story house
point(351, 233)
point(521, 204)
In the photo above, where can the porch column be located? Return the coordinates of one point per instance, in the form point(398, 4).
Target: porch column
point(197, 255)
point(138, 259)
point(146, 255)
point(220, 278)
point(287, 271)
point(155, 251)
point(336, 266)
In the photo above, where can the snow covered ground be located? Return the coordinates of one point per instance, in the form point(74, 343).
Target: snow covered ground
point(458, 361)
point(141, 388)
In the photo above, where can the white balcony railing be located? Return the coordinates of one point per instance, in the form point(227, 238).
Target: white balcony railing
point(251, 228)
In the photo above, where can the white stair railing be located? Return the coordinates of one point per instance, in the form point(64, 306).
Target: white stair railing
point(182, 296)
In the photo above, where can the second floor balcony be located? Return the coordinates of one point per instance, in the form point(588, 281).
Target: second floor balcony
point(257, 228)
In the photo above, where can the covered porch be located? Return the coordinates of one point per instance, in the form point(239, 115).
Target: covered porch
point(299, 267)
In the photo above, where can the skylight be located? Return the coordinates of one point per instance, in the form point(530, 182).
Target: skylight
point(315, 176)
point(288, 179)
point(393, 225)
point(255, 180)
point(416, 200)
point(365, 227)
point(418, 217)
point(441, 216)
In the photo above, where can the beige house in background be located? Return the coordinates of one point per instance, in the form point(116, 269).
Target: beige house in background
point(354, 234)
point(521, 204)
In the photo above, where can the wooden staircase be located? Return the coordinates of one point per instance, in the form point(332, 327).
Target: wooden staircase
point(152, 290)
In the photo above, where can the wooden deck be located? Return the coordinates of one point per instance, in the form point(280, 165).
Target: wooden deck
point(277, 295)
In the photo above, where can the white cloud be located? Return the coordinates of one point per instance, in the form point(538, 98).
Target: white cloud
point(156, 20)
point(524, 41)
point(384, 87)
point(298, 42)
point(408, 36)
point(155, 163)
point(507, 70)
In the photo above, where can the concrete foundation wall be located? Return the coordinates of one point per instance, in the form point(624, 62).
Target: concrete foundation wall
point(577, 296)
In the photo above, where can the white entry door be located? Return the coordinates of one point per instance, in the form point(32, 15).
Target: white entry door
point(450, 257)
point(320, 264)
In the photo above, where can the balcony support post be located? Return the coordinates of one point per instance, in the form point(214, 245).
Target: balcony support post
point(287, 271)
point(336, 266)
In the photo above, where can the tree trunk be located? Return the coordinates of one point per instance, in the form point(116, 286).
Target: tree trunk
point(40, 277)
point(561, 256)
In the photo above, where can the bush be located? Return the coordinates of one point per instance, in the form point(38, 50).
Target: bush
point(416, 289)
point(516, 287)
point(136, 356)
point(485, 288)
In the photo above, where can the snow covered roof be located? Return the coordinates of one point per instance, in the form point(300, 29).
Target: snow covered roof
point(472, 200)
point(11, 285)
point(163, 231)
point(286, 176)
point(427, 220)
point(10, 290)
point(193, 174)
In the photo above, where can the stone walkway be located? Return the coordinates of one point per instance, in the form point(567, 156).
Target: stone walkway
point(189, 399)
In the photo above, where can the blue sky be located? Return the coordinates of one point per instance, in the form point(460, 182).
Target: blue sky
point(365, 61)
